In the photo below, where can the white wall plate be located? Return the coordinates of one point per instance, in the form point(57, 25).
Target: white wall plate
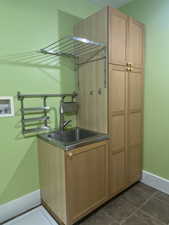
point(6, 106)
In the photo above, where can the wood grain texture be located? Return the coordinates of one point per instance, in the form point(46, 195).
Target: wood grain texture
point(126, 90)
point(118, 31)
point(135, 124)
point(88, 179)
point(93, 106)
point(52, 178)
point(134, 163)
point(117, 174)
point(93, 27)
point(73, 183)
point(117, 89)
point(136, 44)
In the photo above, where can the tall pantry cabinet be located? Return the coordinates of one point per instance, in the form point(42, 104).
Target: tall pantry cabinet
point(114, 103)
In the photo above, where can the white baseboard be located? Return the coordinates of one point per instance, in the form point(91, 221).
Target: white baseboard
point(155, 181)
point(20, 205)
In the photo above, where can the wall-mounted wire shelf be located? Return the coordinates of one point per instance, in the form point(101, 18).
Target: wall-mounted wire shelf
point(36, 130)
point(43, 110)
point(71, 46)
point(35, 109)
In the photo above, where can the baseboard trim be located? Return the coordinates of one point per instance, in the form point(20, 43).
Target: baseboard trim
point(18, 206)
point(155, 181)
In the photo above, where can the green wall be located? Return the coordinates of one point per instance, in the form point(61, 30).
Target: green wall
point(155, 15)
point(27, 26)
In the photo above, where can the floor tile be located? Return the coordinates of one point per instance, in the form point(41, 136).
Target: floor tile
point(162, 196)
point(138, 194)
point(140, 218)
point(99, 218)
point(38, 216)
point(158, 209)
point(146, 188)
point(119, 208)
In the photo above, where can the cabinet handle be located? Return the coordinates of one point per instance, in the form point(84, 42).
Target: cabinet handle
point(70, 155)
point(90, 92)
point(99, 91)
point(129, 67)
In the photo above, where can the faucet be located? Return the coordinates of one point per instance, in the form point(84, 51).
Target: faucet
point(63, 123)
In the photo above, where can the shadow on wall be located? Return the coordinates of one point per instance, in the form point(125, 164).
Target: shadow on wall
point(48, 64)
point(54, 71)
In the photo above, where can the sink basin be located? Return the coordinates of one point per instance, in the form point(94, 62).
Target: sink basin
point(73, 138)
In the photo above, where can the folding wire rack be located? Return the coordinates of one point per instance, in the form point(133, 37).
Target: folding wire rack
point(80, 49)
point(71, 46)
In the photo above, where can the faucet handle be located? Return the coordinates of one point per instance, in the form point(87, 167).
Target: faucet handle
point(67, 122)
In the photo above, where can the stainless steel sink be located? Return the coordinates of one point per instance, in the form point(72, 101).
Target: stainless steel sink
point(73, 138)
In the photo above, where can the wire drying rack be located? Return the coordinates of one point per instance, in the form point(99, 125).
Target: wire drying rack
point(71, 46)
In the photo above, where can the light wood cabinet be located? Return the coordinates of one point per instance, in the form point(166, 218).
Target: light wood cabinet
point(88, 179)
point(111, 101)
point(117, 176)
point(118, 31)
point(121, 107)
point(135, 52)
point(93, 106)
point(73, 183)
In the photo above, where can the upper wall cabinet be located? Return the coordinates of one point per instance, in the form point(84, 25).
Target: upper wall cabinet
point(126, 40)
point(136, 44)
point(118, 27)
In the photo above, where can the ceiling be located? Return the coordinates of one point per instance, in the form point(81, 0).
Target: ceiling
point(113, 3)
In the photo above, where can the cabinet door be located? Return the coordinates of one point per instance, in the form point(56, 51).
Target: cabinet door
point(135, 125)
point(117, 172)
point(117, 107)
point(117, 128)
point(87, 170)
point(134, 157)
point(136, 44)
point(118, 25)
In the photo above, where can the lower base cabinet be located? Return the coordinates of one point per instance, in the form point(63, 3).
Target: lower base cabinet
point(75, 182)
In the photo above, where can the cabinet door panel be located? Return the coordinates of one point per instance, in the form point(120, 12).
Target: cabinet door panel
point(135, 91)
point(117, 133)
point(134, 163)
point(117, 172)
point(117, 82)
point(88, 180)
point(135, 129)
point(118, 24)
point(136, 43)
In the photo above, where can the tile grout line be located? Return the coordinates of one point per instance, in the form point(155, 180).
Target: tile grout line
point(133, 213)
point(161, 200)
point(147, 214)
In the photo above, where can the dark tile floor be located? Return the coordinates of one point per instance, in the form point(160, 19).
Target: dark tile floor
point(139, 205)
